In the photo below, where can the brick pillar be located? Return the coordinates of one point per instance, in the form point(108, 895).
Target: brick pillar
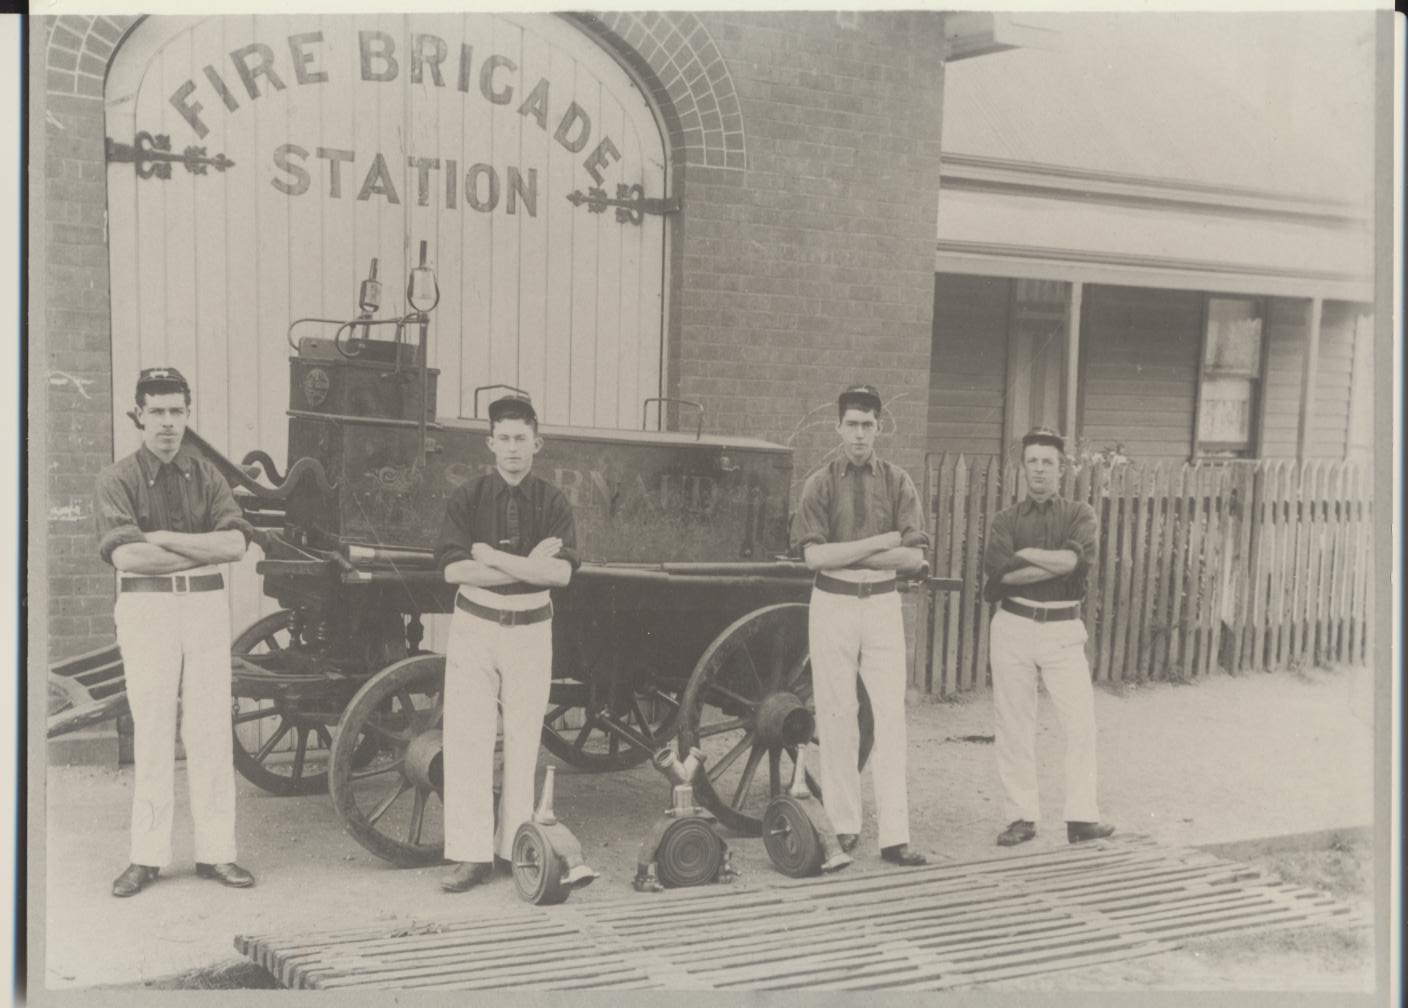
point(69, 307)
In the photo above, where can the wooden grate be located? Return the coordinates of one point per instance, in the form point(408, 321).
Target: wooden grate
point(928, 928)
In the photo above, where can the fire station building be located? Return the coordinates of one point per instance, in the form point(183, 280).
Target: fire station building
point(742, 210)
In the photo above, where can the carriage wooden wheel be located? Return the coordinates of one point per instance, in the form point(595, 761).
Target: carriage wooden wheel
point(279, 744)
point(591, 729)
point(749, 705)
point(393, 804)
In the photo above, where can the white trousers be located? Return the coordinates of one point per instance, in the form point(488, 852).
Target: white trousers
point(488, 669)
point(847, 636)
point(179, 645)
point(1020, 648)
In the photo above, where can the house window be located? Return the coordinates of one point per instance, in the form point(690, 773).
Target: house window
point(1231, 377)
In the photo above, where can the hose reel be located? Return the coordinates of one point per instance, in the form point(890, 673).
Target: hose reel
point(547, 857)
point(684, 847)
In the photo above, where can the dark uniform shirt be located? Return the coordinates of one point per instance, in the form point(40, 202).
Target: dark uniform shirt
point(140, 493)
point(1053, 524)
point(478, 512)
point(833, 497)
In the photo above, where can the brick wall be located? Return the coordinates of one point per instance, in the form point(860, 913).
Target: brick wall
point(70, 296)
point(814, 266)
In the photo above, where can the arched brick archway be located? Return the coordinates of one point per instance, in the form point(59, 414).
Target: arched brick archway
point(672, 52)
point(688, 79)
point(78, 52)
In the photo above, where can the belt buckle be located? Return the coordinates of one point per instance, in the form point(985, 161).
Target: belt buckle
point(1040, 614)
point(863, 589)
point(180, 584)
point(506, 617)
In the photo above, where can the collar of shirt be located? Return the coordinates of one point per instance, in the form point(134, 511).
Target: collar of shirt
point(502, 486)
point(1030, 504)
point(872, 463)
point(152, 466)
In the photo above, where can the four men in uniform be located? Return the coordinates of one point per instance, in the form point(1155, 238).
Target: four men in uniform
point(168, 521)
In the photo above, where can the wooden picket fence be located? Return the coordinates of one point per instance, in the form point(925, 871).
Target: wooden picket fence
point(1199, 566)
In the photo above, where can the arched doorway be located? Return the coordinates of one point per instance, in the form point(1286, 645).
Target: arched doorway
point(356, 137)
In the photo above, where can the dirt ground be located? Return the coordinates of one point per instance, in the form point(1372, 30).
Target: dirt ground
point(1228, 759)
point(1312, 959)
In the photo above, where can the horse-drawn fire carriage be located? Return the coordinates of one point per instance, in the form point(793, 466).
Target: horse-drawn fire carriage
point(685, 620)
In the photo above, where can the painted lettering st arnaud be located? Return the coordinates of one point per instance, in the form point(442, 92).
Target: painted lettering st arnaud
point(428, 56)
point(592, 490)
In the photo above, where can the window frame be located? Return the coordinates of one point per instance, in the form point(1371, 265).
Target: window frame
point(1219, 451)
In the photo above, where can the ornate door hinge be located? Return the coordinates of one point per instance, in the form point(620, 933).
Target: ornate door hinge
point(153, 157)
point(630, 202)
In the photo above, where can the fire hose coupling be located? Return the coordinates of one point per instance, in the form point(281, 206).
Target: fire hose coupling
point(679, 772)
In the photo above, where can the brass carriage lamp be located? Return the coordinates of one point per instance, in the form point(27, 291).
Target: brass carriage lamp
point(422, 292)
point(369, 296)
point(368, 301)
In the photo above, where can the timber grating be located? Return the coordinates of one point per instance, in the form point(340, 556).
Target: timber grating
point(927, 928)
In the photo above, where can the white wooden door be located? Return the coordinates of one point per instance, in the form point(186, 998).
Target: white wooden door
point(357, 137)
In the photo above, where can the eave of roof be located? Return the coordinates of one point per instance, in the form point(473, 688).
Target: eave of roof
point(1273, 110)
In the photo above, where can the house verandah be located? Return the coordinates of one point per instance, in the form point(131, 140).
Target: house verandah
point(1207, 351)
point(1181, 321)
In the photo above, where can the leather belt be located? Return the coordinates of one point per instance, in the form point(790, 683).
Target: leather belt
point(1041, 615)
point(505, 617)
point(178, 583)
point(856, 589)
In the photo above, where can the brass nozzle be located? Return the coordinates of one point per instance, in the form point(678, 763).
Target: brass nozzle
point(545, 814)
point(799, 778)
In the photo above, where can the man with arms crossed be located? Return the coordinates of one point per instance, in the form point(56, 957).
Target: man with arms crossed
point(1035, 561)
point(858, 522)
point(167, 521)
point(508, 536)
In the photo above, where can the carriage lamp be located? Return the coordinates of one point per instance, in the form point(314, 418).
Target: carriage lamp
point(369, 297)
point(422, 292)
point(368, 300)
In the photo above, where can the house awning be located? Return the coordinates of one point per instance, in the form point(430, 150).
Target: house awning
point(1059, 226)
point(1205, 151)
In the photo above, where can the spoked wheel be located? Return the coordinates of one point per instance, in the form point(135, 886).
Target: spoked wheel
point(600, 738)
point(393, 804)
point(537, 868)
point(748, 705)
point(279, 747)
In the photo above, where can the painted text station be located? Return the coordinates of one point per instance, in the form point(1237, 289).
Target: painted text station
point(338, 172)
